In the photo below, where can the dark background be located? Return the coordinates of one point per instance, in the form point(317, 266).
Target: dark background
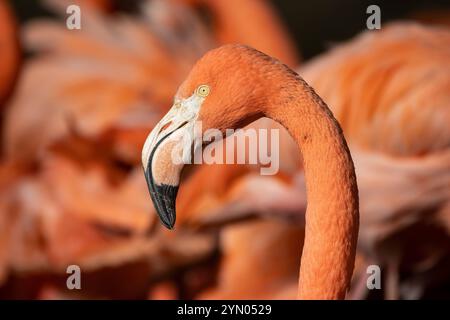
point(315, 24)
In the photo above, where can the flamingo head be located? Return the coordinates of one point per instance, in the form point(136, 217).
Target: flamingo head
point(224, 90)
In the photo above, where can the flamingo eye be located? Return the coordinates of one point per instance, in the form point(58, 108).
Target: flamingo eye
point(203, 90)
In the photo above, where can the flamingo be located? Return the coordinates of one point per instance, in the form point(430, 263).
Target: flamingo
point(232, 86)
point(375, 86)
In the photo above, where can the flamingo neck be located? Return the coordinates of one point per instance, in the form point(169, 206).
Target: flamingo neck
point(254, 23)
point(332, 215)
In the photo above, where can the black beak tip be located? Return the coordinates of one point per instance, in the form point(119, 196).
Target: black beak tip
point(167, 215)
point(163, 197)
point(167, 225)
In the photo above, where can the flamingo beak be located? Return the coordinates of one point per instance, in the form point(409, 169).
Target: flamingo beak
point(165, 152)
point(163, 194)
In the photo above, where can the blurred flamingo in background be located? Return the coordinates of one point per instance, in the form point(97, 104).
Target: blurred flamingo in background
point(71, 129)
point(149, 62)
point(251, 22)
point(390, 90)
point(106, 85)
point(260, 260)
point(134, 71)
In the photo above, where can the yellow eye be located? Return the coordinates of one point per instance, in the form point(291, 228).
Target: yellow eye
point(203, 90)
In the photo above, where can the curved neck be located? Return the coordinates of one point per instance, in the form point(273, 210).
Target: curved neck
point(332, 216)
point(254, 23)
